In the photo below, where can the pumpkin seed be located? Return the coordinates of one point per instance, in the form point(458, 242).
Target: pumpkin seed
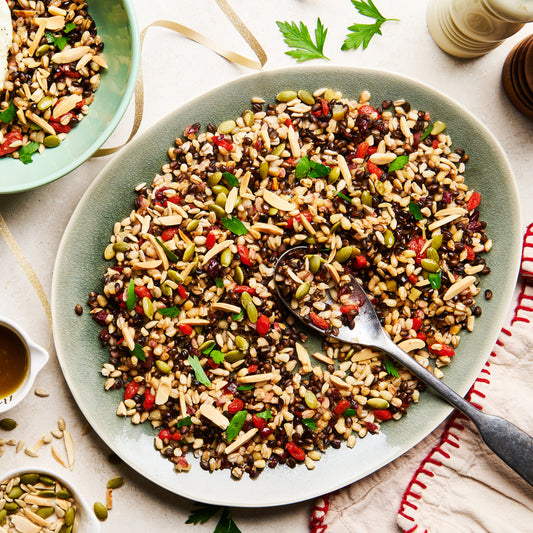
point(219, 212)
point(430, 265)
point(121, 246)
point(166, 289)
point(214, 179)
point(238, 275)
point(45, 480)
point(248, 118)
point(51, 141)
point(189, 252)
point(63, 494)
point(366, 198)
point(115, 482)
point(192, 225)
point(242, 343)
point(234, 355)
point(389, 238)
point(335, 227)
point(218, 189)
point(163, 367)
point(263, 170)
point(11, 507)
point(278, 150)
point(226, 257)
point(3, 514)
point(46, 493)
point(380, 187)
point(221, 199)
point(109, 252)
point(438, 127)
point(174, 276)
point(343, 254)
point(45, 512)
point(272, 211)
point(286, 96)
point(148, 307)
point(8, 424)
point(329, 95)
point(66, 529)
point(206, 346)
point(431, 253)
point(29, 479)
point(310, 240)
point(302, 290)
point(306, 97)
point(42, 50)
point(70, 514)
point(310, 400)
point(378, 403)
point(45, 103)
point(246, 299)
point(227, 126)
point(315, 262)
point(334, 175)
point(100, 511)
point(436, 242)
point(251, 311)
point(15, 492)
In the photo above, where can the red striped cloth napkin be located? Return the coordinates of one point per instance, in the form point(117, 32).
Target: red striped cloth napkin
point(451, 481)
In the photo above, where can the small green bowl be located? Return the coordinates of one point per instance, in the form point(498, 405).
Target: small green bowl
point(117, 25)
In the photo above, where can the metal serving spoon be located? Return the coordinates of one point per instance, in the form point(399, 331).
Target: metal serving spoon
point(507, 441)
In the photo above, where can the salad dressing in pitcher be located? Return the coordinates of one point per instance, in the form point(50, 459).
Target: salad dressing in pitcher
point(14, 361)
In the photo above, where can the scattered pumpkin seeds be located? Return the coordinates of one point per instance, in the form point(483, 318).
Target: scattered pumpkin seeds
point(8, 424)
point(115, 482)
point(100, 511)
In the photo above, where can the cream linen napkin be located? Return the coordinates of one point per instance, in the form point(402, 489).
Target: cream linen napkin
point(460, 485)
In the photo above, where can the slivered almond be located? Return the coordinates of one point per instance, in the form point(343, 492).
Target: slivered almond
point(338, 382)
point(99, 59)
point(239, 441)
point(221, 306)
point(213, 414)
point(184, 237)
point(382, 158)
point(24, 525)
point(183, 404)
point(345, 171)
point(450, 211)
point(54, 10)
point(55, 23)
point(195, 322)
point(294, 144)
point(170, 220)
point(24, 13)
point(35, 518)
point(216, 250)
point(334, 273)
point(33, 499)
point(409, 345)
point(231, 200)
point(38, 36)
point(159, 251)
point(109, 499)
point(36, 119)
point(129, 336)
point(442, 222)
point(255, 378)
point(307, 225)
point(302, 354)
point(69, 447)
point(163, 391)
point(65, 104)
point(70, 54)
point(363, 355)
point(267, 228)
point(84, 60)
point(278, 201)
point(31, 453)
point(147, 265)
point(244, 183)
point(323, 358)
point(458, 287)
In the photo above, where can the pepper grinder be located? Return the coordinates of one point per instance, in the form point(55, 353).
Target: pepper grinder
point(472, 28)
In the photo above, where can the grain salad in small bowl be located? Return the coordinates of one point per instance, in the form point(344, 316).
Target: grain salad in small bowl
point(198, 339)
point(52, 66)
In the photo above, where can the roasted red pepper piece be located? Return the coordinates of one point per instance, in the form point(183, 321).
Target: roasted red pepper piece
point(169, 234)
point(131, 390)
point(263, 325)
point(143, 292)
point(374, 169)
point(222, 142)
point(341, 407)
point(318, 321)
point(186, 329)
point(442, 349)
point(295, 451)
point(474, 201)
point(210, 240)
point(11, 138)
point(244, 254)
point(382, 414)
point(362, 149)
point(239, 289)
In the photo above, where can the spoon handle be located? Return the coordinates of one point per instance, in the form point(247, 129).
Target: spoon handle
point(511, 444)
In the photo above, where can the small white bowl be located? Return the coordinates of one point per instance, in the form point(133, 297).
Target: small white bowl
point(85, 518)
point(38, 357)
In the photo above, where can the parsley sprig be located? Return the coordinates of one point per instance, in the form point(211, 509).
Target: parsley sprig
point(300, 39)
point(361, 34)
point(202, 513)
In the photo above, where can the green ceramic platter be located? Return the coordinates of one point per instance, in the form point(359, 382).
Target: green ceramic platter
point(117, 26)
point(80, 267)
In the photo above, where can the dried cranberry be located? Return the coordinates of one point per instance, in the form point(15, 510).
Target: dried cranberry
point(213, 268)
point(446, 197)
point(100, 317)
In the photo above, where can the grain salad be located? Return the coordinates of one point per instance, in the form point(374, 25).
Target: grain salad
point(198, 340)
point(53, 70)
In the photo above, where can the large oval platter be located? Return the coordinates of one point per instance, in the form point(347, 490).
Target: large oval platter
point(80, 266)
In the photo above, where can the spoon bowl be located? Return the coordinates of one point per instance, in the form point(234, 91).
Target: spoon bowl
point(511, 444)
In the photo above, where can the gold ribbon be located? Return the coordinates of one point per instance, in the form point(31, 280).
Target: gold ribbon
point(204, 41)
point(26, 268)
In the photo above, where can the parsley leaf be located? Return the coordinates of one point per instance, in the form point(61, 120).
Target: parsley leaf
point(435, 279)
point(415, 210)
point(426, 133)
point(301, 41)
point(235, 425)
point(199, 371)
point(184, 422)
point(219, 282)
point(398, 163)
point(390, 368)
point(8, 114)
point(27, 151)
point(138, 352)
point(130, 302)
point(318, 170)
point(361, 34)
point(238, 316)
point(172, 312)
point(350, 412)
point(60, 42)
point(217, 356)
point(69, 26)
point(302, 168)
point(310, 423)
point(226, 523)
point(267, 415)
point(202, 513)
point(311, 169)
point(234, 225)
point(210, 346)
point(231, 179)
point(170, 254)
point(248, 386)
point(343, 196)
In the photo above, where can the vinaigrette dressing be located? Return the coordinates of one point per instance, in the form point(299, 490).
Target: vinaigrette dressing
point(14, 361)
